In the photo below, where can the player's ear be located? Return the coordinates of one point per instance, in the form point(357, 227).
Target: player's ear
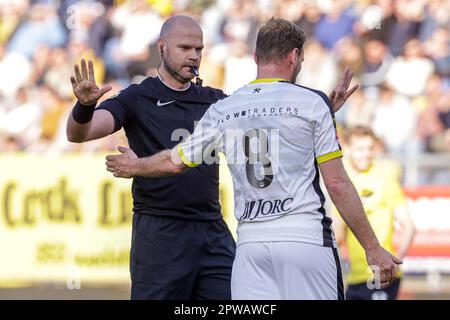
point(294, 55)
point(289, 58)
point(301, 55)
point(255, 57)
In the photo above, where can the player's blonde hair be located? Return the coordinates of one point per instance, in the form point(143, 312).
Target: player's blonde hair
point(276, 39)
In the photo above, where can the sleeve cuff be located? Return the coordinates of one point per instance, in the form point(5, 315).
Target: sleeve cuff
point(117, 123)
point(185, 160)
point(329, 156)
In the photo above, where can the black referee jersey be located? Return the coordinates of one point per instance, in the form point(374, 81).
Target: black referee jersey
point(150, 112)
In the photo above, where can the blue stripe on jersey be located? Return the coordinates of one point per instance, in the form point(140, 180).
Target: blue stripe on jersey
point(326, 221)
point(322, 95)
point(340, 282)
point(327, 102)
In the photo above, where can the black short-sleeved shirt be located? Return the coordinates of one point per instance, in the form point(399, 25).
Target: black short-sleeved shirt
point(150, 112)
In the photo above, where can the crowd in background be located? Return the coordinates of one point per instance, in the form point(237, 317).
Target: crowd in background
point(397, 49)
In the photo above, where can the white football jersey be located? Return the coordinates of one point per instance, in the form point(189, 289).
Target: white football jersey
point(273, 134)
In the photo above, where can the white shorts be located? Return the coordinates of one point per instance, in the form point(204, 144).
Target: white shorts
point(286, 271)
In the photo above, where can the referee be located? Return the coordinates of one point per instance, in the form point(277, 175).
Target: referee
point(181, 247)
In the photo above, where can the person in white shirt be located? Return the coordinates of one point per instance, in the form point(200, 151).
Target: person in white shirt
point(275, 136)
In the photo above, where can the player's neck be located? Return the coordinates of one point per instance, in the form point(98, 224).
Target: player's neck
point(171, 82)
point(273, 72)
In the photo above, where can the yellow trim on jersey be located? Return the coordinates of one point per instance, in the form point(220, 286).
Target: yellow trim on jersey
point(267, 80)
point(329, 156)
point(185, 160)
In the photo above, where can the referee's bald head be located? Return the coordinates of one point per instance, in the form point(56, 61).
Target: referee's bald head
point(180, 47)
point(179, 23)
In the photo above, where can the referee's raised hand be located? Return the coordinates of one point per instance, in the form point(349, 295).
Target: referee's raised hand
point(84, 86)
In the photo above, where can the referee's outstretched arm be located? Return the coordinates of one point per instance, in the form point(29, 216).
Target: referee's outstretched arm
point(85, 123)
point(348, 203)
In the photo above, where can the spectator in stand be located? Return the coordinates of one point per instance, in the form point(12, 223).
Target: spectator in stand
point(408, 74)
point(320, 69)
point(394, 121)
point(437, 15)
point(406, 27)
point(334, 25)
point(377, 62)
point(240, 23)
point(23, 121)
point(42, 26)
point(14, 72)
point(437, 49)
point(309, 18)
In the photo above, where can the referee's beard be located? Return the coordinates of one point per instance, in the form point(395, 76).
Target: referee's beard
point(174, 71)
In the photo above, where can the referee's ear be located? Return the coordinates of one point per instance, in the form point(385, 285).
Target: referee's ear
point(160, 47)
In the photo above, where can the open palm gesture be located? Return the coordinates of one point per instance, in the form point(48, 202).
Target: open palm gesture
point(342, 92)
point(84, 86)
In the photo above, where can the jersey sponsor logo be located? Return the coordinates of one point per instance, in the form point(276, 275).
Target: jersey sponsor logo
point(263, 208)
point(162, 104)
point(260, 112)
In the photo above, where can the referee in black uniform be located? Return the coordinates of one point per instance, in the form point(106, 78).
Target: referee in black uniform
point(181, 247)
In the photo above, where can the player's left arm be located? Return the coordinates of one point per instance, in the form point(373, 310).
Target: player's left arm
point(188, 154)
point(342, 92)
point(128, 165)
point(403, 217)
point(396, 200)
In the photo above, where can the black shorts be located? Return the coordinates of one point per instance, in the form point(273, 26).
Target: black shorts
point(362, 292)
point(180, 259)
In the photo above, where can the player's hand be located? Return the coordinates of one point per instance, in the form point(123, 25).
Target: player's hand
point(84, 86)
point(123, 165)
point(341, 93)
point(383, 264)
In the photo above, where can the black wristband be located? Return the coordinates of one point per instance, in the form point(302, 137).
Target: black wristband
point(82, 113)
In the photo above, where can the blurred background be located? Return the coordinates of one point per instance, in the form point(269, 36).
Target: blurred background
point(65, 223)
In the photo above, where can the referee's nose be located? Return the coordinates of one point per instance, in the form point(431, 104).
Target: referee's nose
point(194, 55)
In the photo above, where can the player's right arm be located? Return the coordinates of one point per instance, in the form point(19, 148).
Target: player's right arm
point(346, 199)
point(84, 122)
point(343, 193)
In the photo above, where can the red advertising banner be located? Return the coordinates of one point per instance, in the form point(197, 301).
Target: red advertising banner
point(429, 207)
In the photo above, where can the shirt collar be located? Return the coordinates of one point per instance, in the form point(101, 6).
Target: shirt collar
point(262, 80)
point(179, 90)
